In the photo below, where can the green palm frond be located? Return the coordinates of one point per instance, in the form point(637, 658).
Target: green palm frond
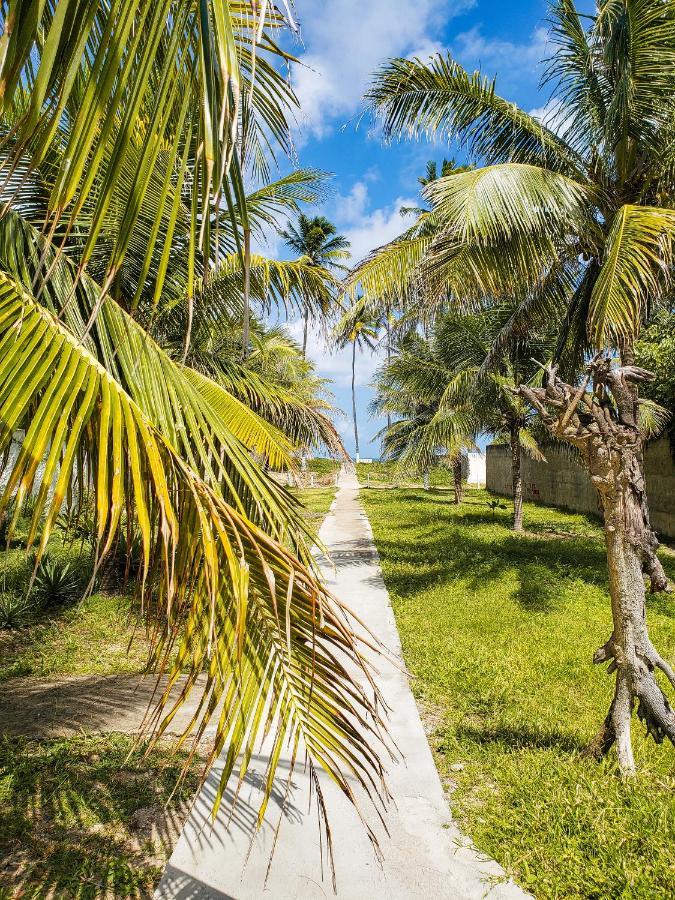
point(440, 99)
point(498, 202)
point(634, 271)
point(226, 598)
point(176, 70)
point(391, 272)
point(653, 418)
point(583, 92)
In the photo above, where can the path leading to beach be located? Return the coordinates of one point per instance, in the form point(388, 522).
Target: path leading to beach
point(425, 855)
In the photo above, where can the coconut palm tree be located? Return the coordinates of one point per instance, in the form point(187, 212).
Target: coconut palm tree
point(128, 132)
point(411, 388)
point(317, 240)
point(466, 388)
point(574, 214)
point(362, 334)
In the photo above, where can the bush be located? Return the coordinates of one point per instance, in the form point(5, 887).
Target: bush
point(13, 610)
point(56, 583)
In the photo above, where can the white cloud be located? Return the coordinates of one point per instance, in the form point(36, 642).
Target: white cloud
point(337, 364)
point(553, 115)
point(351, 207)
point(347, 40)
point(512, 63)
point(367, 228)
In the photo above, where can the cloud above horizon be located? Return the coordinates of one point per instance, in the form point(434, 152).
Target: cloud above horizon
point(341, 58)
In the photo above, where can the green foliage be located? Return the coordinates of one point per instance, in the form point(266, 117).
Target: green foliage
point(655, 351)
point(574, 215)
point(323, 466)
point(499, 631)
point(57, 583)
point(68, 827)
point(494, 505)
point(13, 610)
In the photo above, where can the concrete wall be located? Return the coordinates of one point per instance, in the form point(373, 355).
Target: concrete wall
point(562, 482)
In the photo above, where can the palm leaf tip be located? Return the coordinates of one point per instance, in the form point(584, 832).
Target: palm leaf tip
point(222, 598)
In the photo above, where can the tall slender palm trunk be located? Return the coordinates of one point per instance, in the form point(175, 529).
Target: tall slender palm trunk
point(356, 423)
point(457, 478)
point(516, 476)
point(247, 294)
point(388, 361)
point(304, 333)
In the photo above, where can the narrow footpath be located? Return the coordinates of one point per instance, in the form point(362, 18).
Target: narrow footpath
point(425, 855)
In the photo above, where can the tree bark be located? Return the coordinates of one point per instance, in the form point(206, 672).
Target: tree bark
point(457, 478)
point(304, 334)
point(610, 442)
point(247, 294)
point(651, 565)
point(356, 424)
point(516, 476)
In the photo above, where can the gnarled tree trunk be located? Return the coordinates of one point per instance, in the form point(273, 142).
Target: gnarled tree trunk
point(610, 442)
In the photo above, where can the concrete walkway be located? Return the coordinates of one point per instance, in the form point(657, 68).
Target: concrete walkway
point(425, 856)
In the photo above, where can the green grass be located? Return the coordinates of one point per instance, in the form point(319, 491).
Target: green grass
point(88, 638)
point(499, 631)
point(69, 820)
point(323, 467)
point(380, 474)
point(101, 635)
point(317, 501)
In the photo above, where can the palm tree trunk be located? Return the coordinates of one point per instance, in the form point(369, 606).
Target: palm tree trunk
point(516, 476)
point(356, 424)
point(304, 334)
point(388, 360)
point(247, 294)
point(457, 478)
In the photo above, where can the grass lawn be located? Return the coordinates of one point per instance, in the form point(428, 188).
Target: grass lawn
point(317, 501)
point(380, 474)
point(98, 636)
point(80, 818)
point(499, 631)
point(88, 638)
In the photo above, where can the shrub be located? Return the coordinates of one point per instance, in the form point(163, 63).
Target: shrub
point(13, 610)
point(56, 583)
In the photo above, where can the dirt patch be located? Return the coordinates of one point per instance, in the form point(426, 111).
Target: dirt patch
point(59, 707)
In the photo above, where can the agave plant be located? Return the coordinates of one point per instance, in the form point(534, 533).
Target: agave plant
point(127, 134)
point(56, 583)
point(14, 610)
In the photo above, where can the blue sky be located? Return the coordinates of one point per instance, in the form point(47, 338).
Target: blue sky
point(343, 42)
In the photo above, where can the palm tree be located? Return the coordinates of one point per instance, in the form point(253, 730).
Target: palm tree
point(128, 133)
point(466, 387)
point(317, 240)
point(426, 430)
point(360, 333)
point(576, 216)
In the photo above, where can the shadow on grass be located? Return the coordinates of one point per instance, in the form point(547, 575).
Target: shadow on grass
point(520, 737)
point(85, 818)
point(539, 566)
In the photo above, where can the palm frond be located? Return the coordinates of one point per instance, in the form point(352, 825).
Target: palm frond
point(222, 597)
point(634, 272)
point(440, 99)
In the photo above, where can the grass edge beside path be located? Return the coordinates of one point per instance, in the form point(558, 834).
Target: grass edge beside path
point(499, 630)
